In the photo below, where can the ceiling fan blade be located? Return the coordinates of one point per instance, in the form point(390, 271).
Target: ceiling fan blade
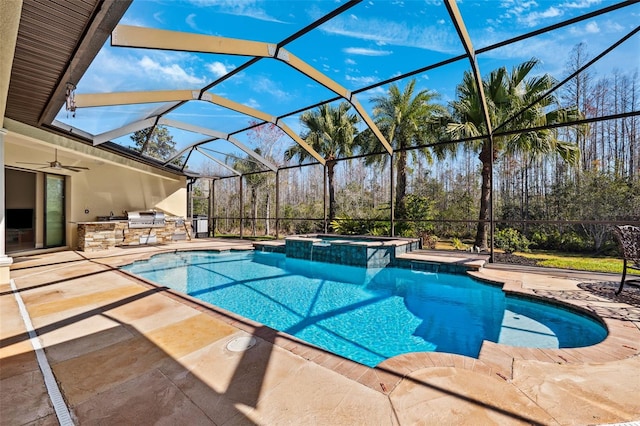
point(73, 169)
point(55, 164)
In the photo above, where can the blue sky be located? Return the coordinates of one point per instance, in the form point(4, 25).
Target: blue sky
point(371, 42)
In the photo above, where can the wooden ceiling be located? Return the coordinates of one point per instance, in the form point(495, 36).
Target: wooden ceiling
point(57, 40)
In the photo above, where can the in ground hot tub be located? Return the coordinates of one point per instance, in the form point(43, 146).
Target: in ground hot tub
point(368, 252)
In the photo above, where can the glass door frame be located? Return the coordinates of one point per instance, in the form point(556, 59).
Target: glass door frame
point(61, 240)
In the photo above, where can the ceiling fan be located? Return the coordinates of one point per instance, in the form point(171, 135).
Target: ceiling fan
point(55, 164)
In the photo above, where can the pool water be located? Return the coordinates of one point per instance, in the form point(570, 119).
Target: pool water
point(368, 315)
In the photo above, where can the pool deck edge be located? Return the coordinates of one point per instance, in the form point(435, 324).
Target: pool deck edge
point(44, 279)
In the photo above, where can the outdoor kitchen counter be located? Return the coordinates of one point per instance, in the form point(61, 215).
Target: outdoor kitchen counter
point(102, 235)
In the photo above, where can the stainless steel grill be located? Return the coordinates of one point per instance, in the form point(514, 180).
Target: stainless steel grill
point(148, 219)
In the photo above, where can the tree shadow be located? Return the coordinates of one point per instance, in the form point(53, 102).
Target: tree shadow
point(606, 290)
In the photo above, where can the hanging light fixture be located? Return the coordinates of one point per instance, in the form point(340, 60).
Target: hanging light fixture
point(71, 101)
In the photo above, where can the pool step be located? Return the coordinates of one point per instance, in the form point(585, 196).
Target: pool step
point(270, 246)
point(446, 261)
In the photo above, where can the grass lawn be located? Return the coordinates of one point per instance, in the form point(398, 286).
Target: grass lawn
point(579, 262)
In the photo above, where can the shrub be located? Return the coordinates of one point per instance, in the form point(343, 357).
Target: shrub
point(568, 240)
point(429, 240)
point(511, 240)
point(304, 227)
point(380, 229)
point(458, 244)
point(348, 226)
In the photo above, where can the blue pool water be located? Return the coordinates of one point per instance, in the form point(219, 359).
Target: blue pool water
point(368, 315)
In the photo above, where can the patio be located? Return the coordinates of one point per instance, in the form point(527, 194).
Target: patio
point(124, 351)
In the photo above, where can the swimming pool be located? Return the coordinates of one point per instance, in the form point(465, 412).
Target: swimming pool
point(368, 315)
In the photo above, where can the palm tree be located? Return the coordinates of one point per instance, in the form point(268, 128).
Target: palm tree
point(330, 131)
point(507, 95)
point(406, 120)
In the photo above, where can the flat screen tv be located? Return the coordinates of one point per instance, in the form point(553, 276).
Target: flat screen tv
point(19, 219)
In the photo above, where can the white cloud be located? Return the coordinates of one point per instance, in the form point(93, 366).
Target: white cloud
point(361, 81)
point(613, 26)
point(581, 4)
point(158, 17)
point(253, 103)
point(587, 29)
point(533, 18)
point(172, 72)
point(384, 32)
point(376, 91)
point(191, 21)
point(109, 72)
point(527, 13)
point(247, 8)
point(592, 28)
point(218, 69)
point(366, 52)
point(263, 84)
point(517, 9)
point(133, 21)
point(350, 61)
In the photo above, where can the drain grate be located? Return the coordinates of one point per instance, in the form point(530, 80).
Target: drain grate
point(241, 344)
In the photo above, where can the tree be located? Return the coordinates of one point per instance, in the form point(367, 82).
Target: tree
point(251, 171)
point(578, 93)
point(265, 136)
point(330, 131)
point(598, 197)
point(155, 142)
point(507, 94)
point(406, 120)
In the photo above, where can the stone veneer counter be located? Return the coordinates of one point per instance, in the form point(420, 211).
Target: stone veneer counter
point(102, 235)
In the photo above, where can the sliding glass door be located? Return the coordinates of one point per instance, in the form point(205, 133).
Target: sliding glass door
point(54, 218)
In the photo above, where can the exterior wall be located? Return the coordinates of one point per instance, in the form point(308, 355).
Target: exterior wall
point(10, 11)
point(110, 189)
point(113, 183)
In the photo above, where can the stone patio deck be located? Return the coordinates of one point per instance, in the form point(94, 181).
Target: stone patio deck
point(125, 351)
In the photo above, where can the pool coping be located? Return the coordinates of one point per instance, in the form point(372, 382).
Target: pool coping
point(495, 360)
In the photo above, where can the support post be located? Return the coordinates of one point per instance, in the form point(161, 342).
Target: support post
point(324, 197)
point(5, 261)
point(392, 191)
point(194, 227)
point(241, 208)
point(212, 205)
point(277, 204)
point(492, 223)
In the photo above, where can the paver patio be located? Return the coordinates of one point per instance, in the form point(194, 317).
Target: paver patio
point(125, 351)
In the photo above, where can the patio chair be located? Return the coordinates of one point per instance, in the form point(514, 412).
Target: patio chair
point(628, 237)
